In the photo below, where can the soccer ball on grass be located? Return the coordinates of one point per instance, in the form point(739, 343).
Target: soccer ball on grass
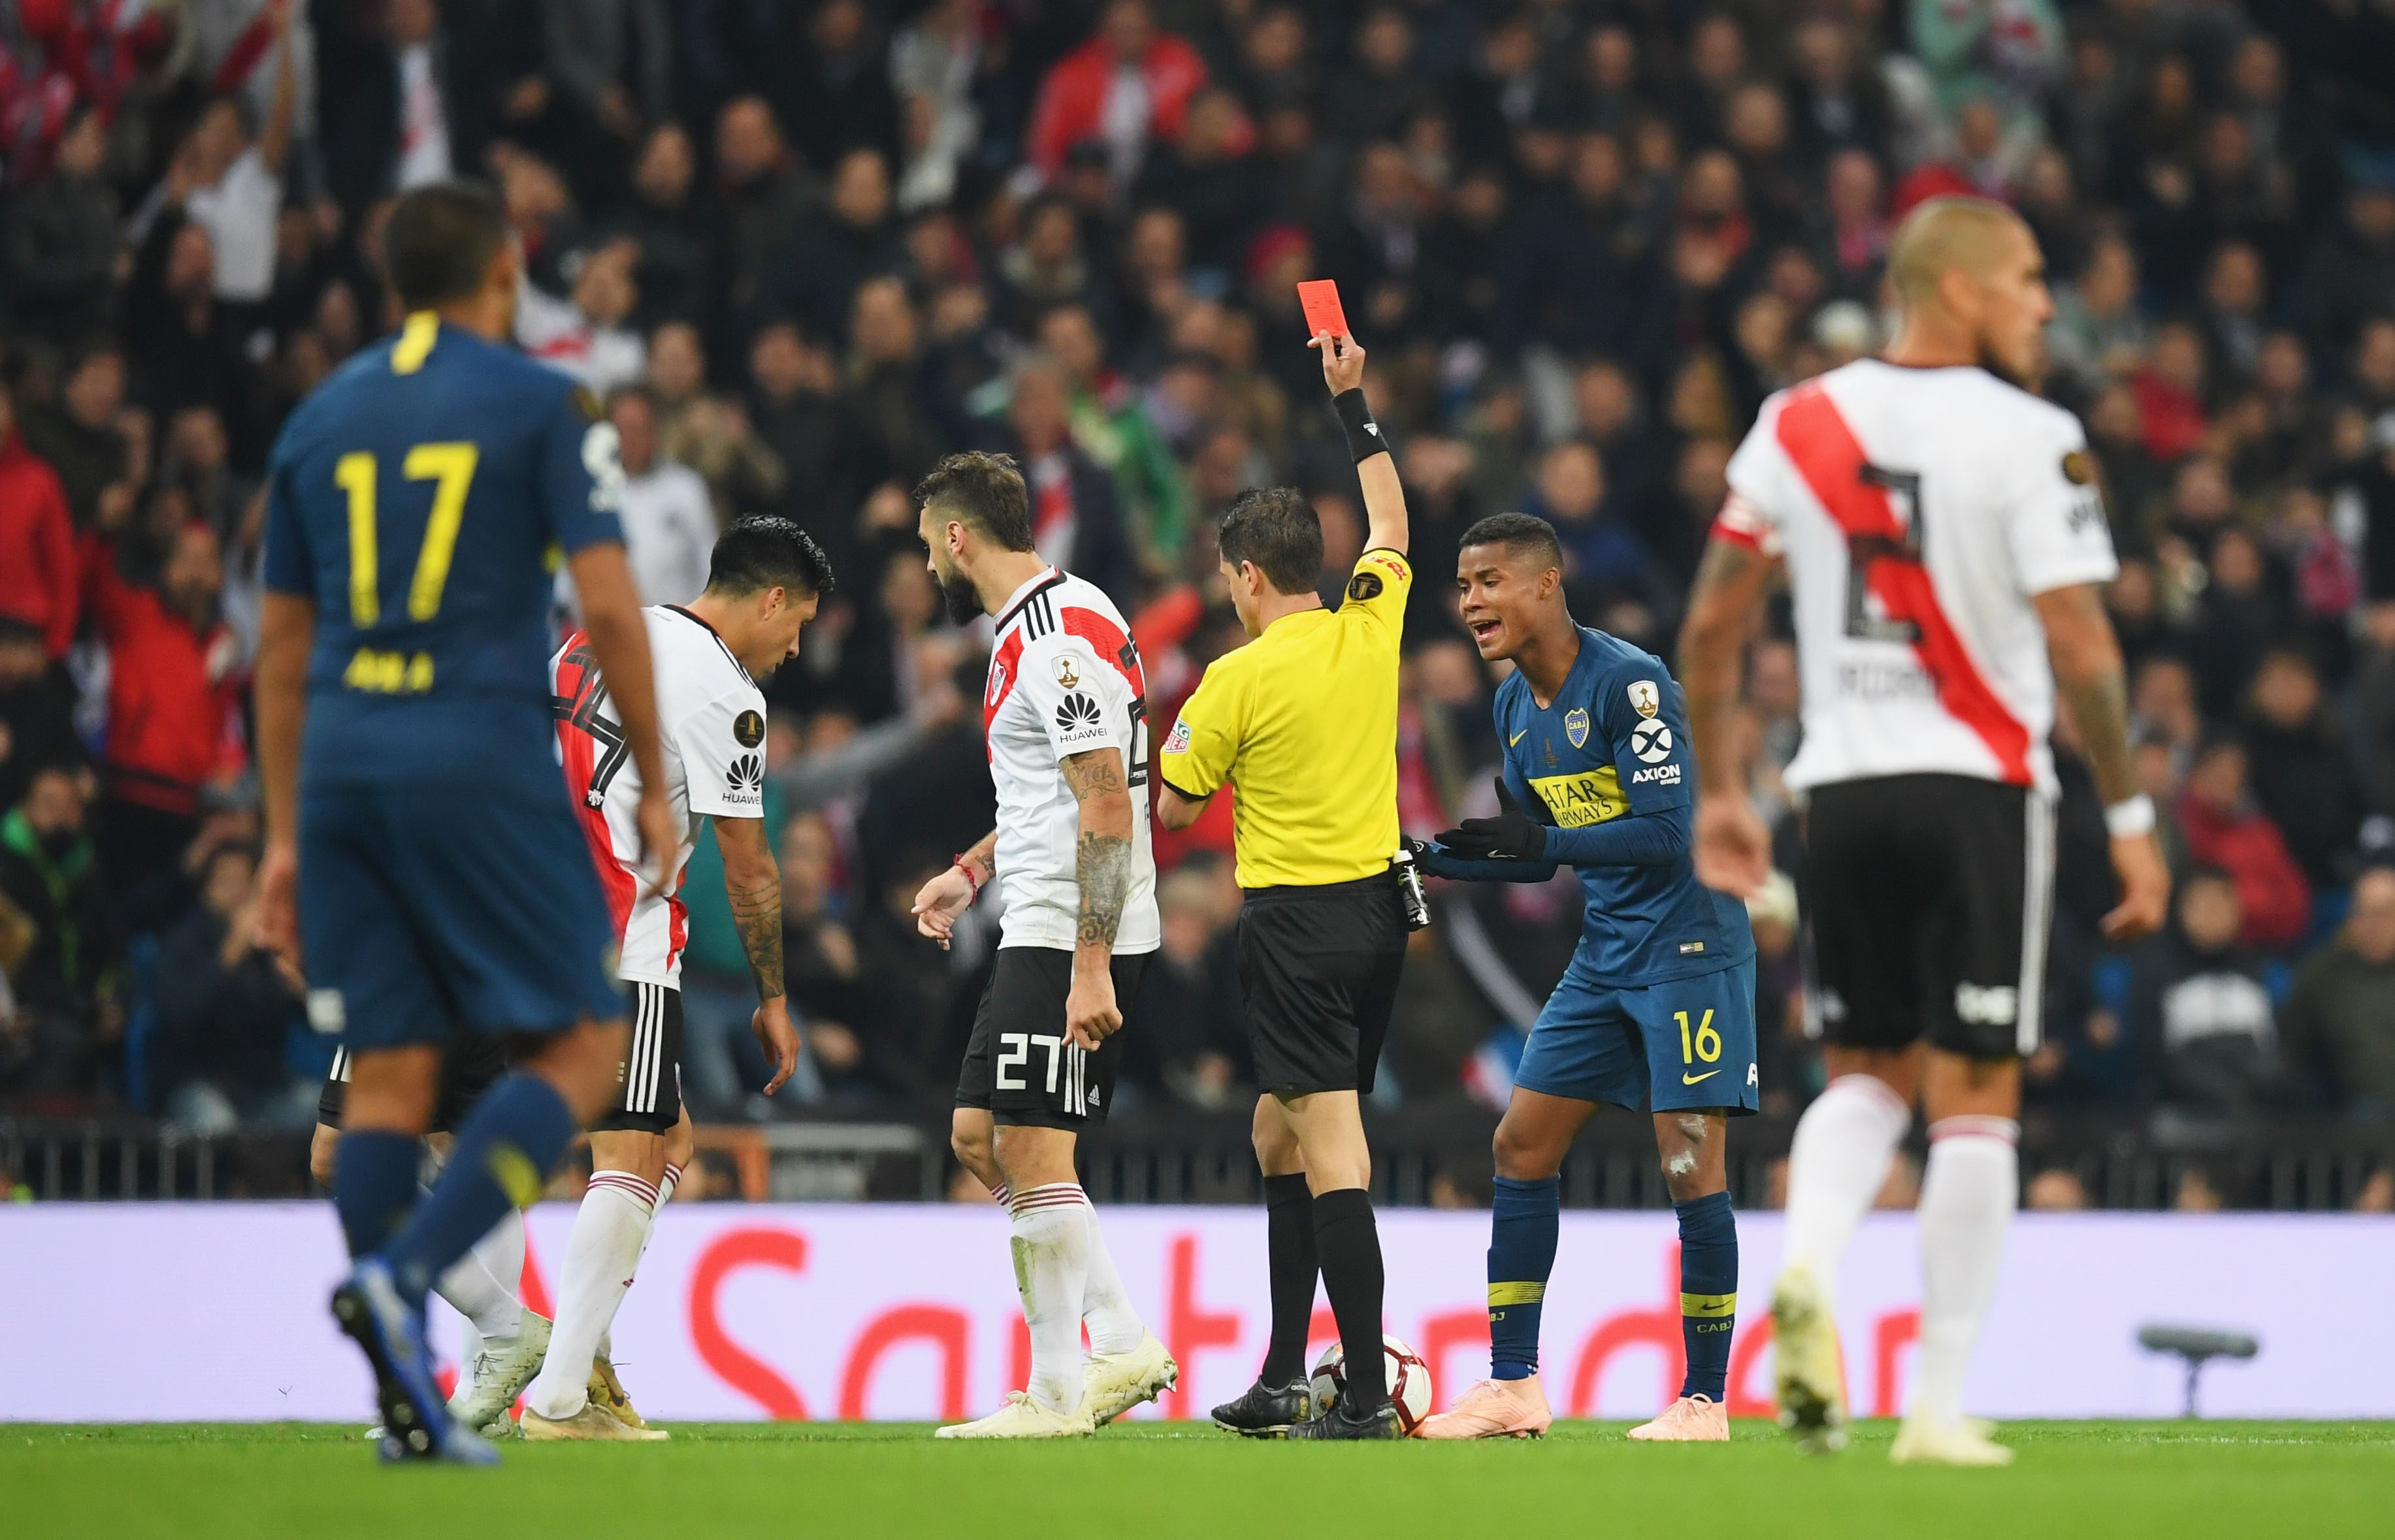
point(1408, 1379)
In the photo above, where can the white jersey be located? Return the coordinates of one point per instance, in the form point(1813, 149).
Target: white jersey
point(1065, 679)
point(711, 728)
point(1919, 512)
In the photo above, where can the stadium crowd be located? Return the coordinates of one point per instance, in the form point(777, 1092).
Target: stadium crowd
point(802, 249)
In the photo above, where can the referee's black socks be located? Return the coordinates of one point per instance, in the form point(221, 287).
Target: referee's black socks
point(1289, 1241)
point(1349, 1246)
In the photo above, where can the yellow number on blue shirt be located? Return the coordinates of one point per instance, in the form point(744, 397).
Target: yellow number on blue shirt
point(451, 466)
point(1707, 1044)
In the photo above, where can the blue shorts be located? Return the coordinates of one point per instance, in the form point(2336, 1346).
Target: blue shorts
point(1689, 1043)
point(424, 910)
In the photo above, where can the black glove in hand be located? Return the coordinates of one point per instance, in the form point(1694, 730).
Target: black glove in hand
point(1512, 835)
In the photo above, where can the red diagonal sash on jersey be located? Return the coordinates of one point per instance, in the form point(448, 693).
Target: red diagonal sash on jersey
point(1107, 640)
point(580, 752)
point(1825, 453)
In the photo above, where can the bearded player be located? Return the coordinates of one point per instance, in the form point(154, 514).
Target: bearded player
point(1657, 1010)
point(1065, 709)
point(1945, 543)
point(765, 580)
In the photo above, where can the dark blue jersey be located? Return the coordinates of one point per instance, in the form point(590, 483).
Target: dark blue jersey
point(1614, 744)
point(422, 497)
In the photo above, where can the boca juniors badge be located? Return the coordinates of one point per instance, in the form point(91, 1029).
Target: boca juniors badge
point(1576, 727)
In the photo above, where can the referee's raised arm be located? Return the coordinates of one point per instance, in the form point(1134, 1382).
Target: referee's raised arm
point(1384, 497)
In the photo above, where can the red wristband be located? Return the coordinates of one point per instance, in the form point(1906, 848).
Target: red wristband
point(966, 867)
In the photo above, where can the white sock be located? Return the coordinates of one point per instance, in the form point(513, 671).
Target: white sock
point(1968, 1197)
point(1052, 1262)
point(665, 1195)
point(1115, 1327)
point(481, 1286)
point(1836, 1166)
point(601, 1254)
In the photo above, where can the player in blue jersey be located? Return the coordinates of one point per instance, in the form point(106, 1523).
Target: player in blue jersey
point(422, 858)
point(1657, 1010)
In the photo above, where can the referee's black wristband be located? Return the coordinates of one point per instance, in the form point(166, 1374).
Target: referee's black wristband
point(1363, 439)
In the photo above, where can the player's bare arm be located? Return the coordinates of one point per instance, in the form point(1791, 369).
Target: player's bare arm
point(1384, 498)
point(940, 900)
point(1101, 860)
point(753, 882)
point(1733, 848)
point(619, 640)
point(286, 632)
point(2094, 685)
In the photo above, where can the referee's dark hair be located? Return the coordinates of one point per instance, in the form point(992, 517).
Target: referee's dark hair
point(762, 550)
point(1521, 534)
point(1277, 529)
point(984, 490)
point(439, 240)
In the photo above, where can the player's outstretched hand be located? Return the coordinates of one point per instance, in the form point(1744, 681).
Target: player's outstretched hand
point(1512, 835)
point(276, 927)
point(1091, 1013)
point(2145, 889)
point(939, 901)
point(778, 1039)
point(659, 838)
point(1343, 361)
point(1733, 847)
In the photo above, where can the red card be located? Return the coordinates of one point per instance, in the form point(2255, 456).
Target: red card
point(1320, 298)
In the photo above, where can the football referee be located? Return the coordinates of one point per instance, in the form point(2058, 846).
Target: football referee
point(1303, 719)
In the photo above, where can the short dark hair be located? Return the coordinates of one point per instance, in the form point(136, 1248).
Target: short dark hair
point(1277, 529)
point(763, 550)
point(1520, 533)
point(440, 242)
point(984, 490)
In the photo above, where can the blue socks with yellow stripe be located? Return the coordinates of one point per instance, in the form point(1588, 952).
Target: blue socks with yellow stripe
point(1708, 1291)
point(1521, 1254)
point(374, 1185)
point(502, 1160)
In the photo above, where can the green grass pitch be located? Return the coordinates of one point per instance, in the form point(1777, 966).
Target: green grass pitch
point(1150, 1481)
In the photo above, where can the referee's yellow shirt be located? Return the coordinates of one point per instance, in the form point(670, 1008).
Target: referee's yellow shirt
point(1304, 720)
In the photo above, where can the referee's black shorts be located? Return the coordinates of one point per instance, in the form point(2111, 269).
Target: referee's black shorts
point(1318, 968)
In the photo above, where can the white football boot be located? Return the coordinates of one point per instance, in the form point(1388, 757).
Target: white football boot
point(591, 1423)
point(1808, 1370)
point(1113, 1383)
point(1964, 1442)
point(1023, 1417)
point(501, 1370)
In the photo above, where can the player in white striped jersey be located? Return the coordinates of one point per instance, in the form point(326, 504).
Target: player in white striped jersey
point(765, 580)
point(1946, 547)
point(1065, 714)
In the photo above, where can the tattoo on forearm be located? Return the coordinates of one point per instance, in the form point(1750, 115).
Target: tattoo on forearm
point(2099, 706)
point(1094, 774)
point(1102, 862)
point(757, 911)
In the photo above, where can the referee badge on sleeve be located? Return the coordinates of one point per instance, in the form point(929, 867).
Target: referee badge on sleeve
point(1177, 742)
point(1576, 727)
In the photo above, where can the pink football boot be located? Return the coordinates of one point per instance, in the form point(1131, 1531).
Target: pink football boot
point(1690, 1419)
point(1493, 1409)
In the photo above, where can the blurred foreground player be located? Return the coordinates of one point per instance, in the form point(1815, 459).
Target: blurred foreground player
point(1303, 721)
point(1067, 714)
point(1657, 1010)
point(1946, 547)
point(765, 580)
point(421, 851)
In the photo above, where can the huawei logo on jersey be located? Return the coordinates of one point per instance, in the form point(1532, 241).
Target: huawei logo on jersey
point(1077, 713)
point(748, 773)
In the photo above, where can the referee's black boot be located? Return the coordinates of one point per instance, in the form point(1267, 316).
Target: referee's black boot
point(1268, 1411)
point(1334, 1423)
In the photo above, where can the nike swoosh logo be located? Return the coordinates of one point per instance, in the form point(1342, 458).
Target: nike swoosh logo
point(1693, 1079)
point(1516, 738)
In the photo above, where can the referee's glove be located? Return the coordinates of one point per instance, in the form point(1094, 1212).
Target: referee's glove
point(1512, 835)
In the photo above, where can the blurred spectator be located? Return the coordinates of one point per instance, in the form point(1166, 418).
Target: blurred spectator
point(1076, 521)
point(38, 570)
point(36, 711)
point(2226, 830)
point(49, 874)
point(587, 336)
point(2197, 1007)
point(63, 239)
point(83, 436)
point(1191, 1046)
point(224, 1006)
point(2340, 1018)
point(668, 519)
point(231, 184)
point(1128, 82)
point(2302, 771)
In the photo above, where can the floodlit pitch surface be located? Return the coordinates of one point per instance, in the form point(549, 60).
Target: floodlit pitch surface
point(1149, 1480)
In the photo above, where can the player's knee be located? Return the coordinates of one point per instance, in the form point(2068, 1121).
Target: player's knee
point(681, 1141)
point(1522, 1154)
point(1277, 1149)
